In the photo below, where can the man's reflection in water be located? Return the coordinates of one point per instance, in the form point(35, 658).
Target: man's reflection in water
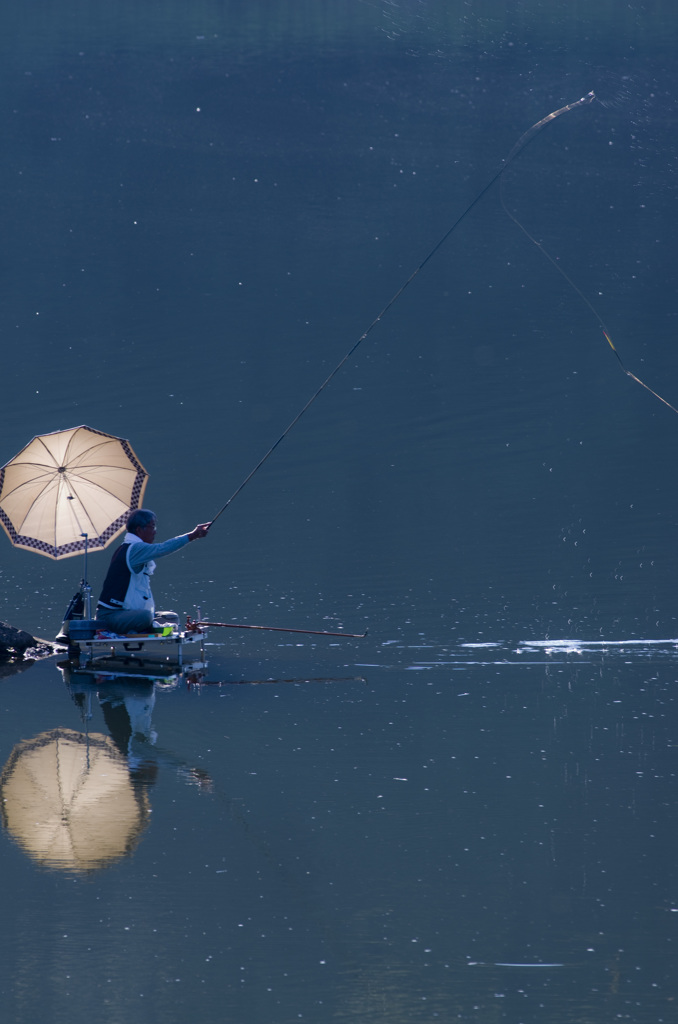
point(127, 712)
point(127, 704)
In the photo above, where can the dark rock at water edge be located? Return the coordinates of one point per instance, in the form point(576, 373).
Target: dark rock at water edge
point(17, 644)
point(14, 642)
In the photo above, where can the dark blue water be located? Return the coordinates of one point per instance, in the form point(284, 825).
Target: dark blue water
point(203, 210)
point(478, 830)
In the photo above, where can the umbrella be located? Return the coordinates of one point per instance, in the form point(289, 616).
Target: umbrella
point(69, 491)
point(69, 801)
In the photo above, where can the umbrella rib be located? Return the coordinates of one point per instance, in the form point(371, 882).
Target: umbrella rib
point(47, 449)
point(73, 476)
point(94, 447)
point(49, 475)
point(34, 502)
point(72, 487)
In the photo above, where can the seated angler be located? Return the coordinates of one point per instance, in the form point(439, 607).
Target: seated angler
point(126, 602)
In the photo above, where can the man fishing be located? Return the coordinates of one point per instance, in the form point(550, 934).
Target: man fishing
point(126, 602)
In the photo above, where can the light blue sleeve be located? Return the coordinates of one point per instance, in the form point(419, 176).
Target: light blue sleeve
point(140, 553)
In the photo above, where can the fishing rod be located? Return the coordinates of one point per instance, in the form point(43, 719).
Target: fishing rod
point(193, 626)
point(522, 142)
point(567, 277)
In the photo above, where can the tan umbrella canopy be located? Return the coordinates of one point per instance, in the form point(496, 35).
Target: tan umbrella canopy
point(69, 801)
point(70, 491)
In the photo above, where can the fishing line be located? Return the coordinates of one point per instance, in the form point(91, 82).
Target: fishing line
point(514, 152)
point(523, 141)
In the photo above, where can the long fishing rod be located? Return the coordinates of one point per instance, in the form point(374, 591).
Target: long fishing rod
point(193, 626)
point(523, 141)
point(569, 280)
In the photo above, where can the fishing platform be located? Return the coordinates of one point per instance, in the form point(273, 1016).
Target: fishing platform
point(170, 645)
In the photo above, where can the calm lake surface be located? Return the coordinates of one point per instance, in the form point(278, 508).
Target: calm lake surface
point(469, 814)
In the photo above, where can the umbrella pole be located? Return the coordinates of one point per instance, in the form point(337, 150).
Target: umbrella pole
point(85, 587)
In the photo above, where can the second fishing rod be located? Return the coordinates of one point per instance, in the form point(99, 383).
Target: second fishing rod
point(527, 137)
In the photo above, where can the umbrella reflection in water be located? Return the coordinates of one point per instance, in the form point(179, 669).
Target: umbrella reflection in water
point(69, 801)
